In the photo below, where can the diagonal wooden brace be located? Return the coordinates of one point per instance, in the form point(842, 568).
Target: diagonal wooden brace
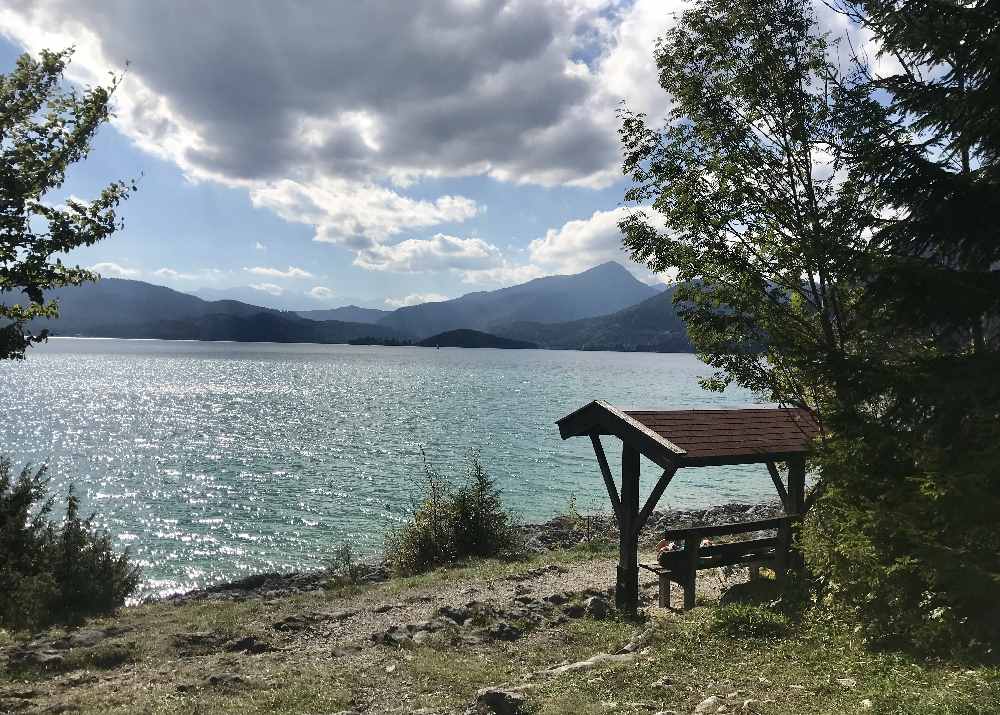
point(654, 497)
point(772, 468)
point(609, 480)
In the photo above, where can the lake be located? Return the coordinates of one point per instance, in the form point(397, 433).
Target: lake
point(214, 460)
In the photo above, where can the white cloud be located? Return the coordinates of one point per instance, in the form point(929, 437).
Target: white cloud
point(415, 299)
point(270, 288)
point(573, 247)
point(340, 108)
point(321, 293)
point(292, 272)
point(260, 246)
point(203, 274)
point(356, 214)
point(110, 269)
point(503, 275)
point(582, 243)
point(441, 252)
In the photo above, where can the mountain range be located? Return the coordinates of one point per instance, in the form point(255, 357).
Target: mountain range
point(118, 308)
point(601, 290)
point(603, 308)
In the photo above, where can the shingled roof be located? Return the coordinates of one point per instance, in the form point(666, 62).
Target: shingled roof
point(691, 438)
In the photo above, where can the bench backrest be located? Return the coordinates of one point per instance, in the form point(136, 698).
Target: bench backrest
point(740, 527)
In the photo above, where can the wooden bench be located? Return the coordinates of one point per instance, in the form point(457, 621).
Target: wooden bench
point(682, 566)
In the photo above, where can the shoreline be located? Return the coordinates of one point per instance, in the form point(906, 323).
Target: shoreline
point(560, 532)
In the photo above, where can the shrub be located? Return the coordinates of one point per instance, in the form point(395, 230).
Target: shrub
point(453, 522)
point(344, 565)
point(54, 573)
point(911, 544)
point(745, 620)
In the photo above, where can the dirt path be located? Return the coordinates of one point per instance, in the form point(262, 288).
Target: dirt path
point(358, 644)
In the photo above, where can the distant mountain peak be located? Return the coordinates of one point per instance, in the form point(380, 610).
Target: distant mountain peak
point(608, 266)
point(600, 290)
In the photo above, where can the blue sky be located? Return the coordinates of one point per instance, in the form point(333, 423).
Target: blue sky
point(347, 152)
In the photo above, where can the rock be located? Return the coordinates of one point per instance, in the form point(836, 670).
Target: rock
point(248, 645)
point(574, 610)
point(297, 622)
point(590, 663)
point(597, 607)
point(345, 651)
point(459, 614)
point(866, 704)
point(394, 636)
point(847, 682)
point(663, 683)
point(503, 631)
point(501, 702)
point(557, 598)
point(198, 643)
point(708, 705)
point(80, 679)
point(225, 680)
point(83, 639)
point(639, 641)
point(666, 712)
point(421, 637)
point(42, 659)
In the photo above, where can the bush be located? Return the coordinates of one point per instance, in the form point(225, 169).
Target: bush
point(343, 564)
point(54, 573)
point(911, 545)
point(452, 523)
point(745, 620)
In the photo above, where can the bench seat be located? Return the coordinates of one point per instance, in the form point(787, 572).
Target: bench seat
point(681, 566)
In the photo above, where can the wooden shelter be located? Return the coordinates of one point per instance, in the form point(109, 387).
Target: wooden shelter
point(673, 439)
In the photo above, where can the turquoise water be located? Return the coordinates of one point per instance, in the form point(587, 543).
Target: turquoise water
point(213, 460)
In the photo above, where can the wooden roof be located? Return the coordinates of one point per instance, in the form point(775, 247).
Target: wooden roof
point(690, 438)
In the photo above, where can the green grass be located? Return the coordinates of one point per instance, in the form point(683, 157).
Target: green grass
point(786, 667)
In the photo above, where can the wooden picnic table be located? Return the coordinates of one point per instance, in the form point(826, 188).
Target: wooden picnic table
point(676, 439)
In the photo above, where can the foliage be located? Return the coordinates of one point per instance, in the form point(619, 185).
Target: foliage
point(343, 562)
point(834, 237)
point(452, 523)
point(765, 235)
point(53, 573)
point(745, 620)
point(44, 128)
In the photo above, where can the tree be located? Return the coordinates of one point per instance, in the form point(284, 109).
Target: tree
point(753, 211)
point(925, 563)
point(810, 223)
point(44, 128)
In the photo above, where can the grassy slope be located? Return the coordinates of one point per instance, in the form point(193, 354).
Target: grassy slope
point(144, 671)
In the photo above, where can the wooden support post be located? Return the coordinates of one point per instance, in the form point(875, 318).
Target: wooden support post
point(796, 486)
point(782, 552)
point(796, 506)
point(664, 590)
point(691, 545)
point(627, 587)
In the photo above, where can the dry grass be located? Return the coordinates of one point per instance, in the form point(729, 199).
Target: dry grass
point(809, 670)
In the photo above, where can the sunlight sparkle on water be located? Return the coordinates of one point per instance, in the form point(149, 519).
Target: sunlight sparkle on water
point(214, 460)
